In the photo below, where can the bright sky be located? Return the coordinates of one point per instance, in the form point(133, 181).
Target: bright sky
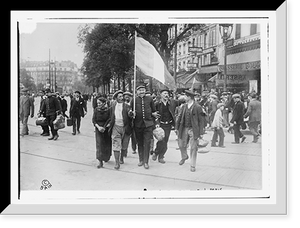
point(60, 38)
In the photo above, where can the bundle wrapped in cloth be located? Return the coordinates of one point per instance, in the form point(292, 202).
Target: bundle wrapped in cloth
point(159, 133)
point(59, 122)
point(202, 146)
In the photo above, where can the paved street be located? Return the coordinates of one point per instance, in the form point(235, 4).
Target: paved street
point(70, 164)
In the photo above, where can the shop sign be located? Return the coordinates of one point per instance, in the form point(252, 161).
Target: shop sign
point(195, 49)
point(241, 66)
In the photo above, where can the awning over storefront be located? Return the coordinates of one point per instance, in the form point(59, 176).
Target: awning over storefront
point(208, 69)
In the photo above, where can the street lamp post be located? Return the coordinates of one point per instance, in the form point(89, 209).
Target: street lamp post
point(225, 31)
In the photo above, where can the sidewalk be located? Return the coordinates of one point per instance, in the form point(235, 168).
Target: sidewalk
point(69, 164)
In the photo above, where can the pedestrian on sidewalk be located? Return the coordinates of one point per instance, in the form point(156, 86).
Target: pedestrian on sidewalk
point(237, 118)
point(217, 126)
point(166, 110)
point(77, 110)
point(254, 113)
point(119, 128)
point(45, 128)
point(100, 119)
point(189, 127)
point(144, 116)
point(52, 108)
point(26, 109)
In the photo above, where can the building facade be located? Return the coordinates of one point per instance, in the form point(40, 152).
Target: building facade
point(45, 75)
point(200, 55)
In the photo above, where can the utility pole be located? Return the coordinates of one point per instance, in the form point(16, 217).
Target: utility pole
point(49, 70)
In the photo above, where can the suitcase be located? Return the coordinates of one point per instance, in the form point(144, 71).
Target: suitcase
point(69, 122)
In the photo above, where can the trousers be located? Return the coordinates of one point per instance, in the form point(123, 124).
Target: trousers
point(218, 132)
point(50, 120)
point(237, 132)
point(76, 122)
point(188, 137)
point(143, 138)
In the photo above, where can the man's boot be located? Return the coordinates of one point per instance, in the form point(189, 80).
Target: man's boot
point(122, 156)
point(117, 159)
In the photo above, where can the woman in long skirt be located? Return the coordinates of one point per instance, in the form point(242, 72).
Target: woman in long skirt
point(103, 140)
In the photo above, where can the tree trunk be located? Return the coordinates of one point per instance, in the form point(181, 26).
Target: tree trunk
point(123, 82)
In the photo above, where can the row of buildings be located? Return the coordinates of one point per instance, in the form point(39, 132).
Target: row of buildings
point(201, 53)
point(58, 75)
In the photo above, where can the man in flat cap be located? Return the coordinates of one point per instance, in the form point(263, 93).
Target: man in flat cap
point(189, 127)
point(51, 107)
point(166, 109)
point(77, 110)
point(237, 118)
point(144, 115)
point(26, 109)
point(119, 127)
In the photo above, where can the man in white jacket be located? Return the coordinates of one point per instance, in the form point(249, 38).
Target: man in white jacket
point(217, 126)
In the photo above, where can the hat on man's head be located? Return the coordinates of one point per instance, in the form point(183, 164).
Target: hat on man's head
point(236, 95)
point(116, 93)
point(189, 93)
point(220, 104)
point(163, 90)
point(140, 86)
point(24, 90)
point(47, 90)
point(213, 96)
point(127, 93)
point(77, 92)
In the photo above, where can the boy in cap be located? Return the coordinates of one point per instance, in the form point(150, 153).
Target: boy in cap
point(217, 126)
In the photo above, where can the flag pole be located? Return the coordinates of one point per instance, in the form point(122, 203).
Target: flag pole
point(134, 71)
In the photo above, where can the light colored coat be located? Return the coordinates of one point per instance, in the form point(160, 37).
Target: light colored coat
point(26, 106)
point(218, 119)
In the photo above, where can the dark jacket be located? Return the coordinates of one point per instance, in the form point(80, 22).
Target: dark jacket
point(77, 108)
point(51, 106)
point(144, 111)
point(172, 107)
point(197, 120)
point(101, 116)
point(254, 111)
point(126, 118)
point(238, 113)
point(64, 105)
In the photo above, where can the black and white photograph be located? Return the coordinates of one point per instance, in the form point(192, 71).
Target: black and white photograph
point(137, 107)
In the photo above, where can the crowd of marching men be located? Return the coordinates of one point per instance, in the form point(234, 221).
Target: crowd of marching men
point(122, 117)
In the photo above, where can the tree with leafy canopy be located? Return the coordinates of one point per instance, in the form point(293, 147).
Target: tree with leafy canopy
point(109, 49)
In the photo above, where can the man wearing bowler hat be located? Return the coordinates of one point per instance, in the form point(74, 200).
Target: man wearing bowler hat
point(166, 109)
point(189, 128)
point(144, 115)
